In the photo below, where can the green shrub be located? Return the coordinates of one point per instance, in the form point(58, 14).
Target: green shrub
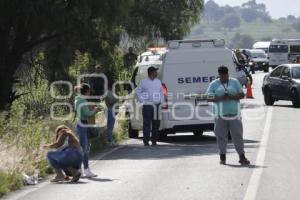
point(4, 185)
point(10, 181)
point(27, 126)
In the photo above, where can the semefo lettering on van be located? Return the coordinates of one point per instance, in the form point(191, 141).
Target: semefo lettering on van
point(194, 79)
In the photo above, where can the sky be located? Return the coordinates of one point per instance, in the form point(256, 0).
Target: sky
point(276, 8)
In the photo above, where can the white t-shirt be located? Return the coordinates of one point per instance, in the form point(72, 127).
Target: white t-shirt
point(150, 91)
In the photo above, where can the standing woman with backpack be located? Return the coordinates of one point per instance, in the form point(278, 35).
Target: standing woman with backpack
point(83, 113)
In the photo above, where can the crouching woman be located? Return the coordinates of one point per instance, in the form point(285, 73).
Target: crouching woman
point(67, 154)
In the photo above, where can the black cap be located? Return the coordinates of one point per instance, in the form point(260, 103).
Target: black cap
point(223, 70)
point(152, 69)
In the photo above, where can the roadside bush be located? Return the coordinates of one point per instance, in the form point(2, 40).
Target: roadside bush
point(9, 181)
point(21, 139)
point(33, 88)
point(27, 125)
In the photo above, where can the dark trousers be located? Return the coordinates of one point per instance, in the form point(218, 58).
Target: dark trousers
point(150, 120)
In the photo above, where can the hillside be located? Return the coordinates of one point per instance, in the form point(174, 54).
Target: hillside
point(258, 30)
point(258, 26)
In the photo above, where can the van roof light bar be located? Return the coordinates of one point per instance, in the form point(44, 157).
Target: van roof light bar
point(174, 44)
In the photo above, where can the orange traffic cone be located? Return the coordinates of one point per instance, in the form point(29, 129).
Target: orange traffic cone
point(249, 94)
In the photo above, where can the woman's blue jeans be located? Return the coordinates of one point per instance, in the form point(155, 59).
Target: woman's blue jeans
point(68, 158)
point(110, 125)
point(81, 130)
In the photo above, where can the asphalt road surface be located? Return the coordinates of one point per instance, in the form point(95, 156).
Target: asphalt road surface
point(185, 167)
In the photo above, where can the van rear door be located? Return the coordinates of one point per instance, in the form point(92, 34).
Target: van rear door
point(188, 70)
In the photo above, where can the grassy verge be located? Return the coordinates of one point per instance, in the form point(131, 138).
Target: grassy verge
point(21, 148)
point(10, 181)
point(23, 132)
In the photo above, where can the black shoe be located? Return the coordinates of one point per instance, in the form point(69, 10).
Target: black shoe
point(154, 143)
point(75, 174)
point(243, 160)
point(222, 159)
point(146, 143)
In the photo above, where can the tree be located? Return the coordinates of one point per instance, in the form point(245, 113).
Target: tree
point(251, 11)
point(255, 6)
point(296, 25)
point(211, 9)
point(291, 18)
point(59, 27)
point(243, 41)
point(266, 38)
point(231, 21)
point(169, 19)
point(249, 15)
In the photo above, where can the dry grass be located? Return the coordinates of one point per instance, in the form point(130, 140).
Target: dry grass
point(10, 157)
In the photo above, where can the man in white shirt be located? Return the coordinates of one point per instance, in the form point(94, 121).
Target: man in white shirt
point(150, 94)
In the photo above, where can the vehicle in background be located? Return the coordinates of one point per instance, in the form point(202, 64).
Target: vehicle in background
point(278, 52)
point(263, 45)
point(257, 60)
point(294, 49)
point(283, 83)
point(152, 57)
point(187, 68)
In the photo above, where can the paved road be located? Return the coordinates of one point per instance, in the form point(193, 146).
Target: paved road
point(184, 167)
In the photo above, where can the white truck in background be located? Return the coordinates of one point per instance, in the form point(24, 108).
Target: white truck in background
point(278, 52)
point(263, 45)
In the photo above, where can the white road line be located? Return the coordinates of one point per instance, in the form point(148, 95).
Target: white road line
point(254, 182)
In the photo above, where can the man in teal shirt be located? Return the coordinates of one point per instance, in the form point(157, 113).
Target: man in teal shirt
point(226, 94)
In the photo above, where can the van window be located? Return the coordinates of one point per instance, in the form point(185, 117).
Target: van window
point(277, 72)
point(295, 49)
point(278, 49)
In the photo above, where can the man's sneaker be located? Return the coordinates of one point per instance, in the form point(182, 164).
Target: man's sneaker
point(89, 174)
point(244, 160)
point(222, 159)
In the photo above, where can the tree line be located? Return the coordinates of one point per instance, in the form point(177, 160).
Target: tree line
point(230, 17)
point(60, 28)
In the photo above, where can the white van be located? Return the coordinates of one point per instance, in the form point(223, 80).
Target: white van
point(187, 69)
point(278, 52)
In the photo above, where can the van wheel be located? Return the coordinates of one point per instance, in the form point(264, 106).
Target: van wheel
point(132, 133)
point(198, 133)
point(295, 98)
point(269, 100)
